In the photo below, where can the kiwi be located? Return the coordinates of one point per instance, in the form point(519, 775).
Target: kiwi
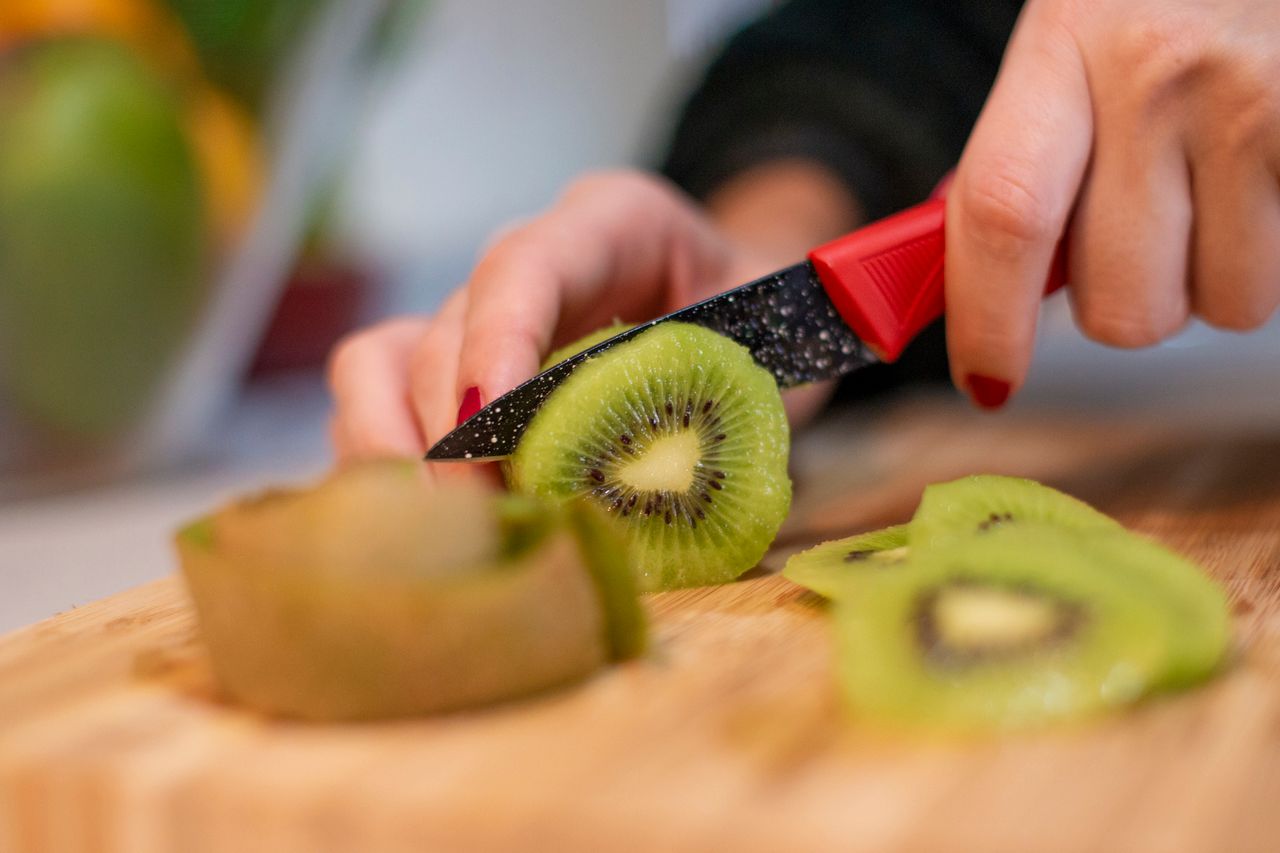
point(682, 438)
point(986, 501)
point(599, 336)
point(829, 568)
point(372, 595)
point(1014, 628)
point(1195, 605)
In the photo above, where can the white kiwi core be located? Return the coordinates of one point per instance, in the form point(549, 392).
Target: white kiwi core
point(986, 618)
point(667, 464)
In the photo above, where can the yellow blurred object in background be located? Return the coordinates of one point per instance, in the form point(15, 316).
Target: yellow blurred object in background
point(148, 28)
point(223, 135)
point(229, 157)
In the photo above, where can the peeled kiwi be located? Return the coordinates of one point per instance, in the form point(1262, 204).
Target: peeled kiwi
point(829, 568)
point(682, 438)
point(984, 502)
point(1011, 629)
point(372, 595)
point(1195, 605)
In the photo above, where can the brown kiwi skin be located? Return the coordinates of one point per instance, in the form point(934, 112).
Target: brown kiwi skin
point(335, 630)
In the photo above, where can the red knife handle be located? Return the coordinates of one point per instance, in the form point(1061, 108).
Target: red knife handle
point(886, 279)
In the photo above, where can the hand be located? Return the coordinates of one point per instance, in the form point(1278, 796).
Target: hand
point(617, 245)
point(1148, 133)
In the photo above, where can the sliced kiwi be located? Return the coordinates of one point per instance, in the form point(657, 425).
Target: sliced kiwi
point(605, 554)
point(984, 502)
point(682, 438)
point(1014, 628)
point(1196, 606)
point(599, 336)
point(829, 568)
point(371, 595)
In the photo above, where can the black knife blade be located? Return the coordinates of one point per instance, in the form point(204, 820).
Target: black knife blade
point(786, 320)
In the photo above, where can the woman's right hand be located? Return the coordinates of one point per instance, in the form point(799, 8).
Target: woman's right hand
point(620, 245)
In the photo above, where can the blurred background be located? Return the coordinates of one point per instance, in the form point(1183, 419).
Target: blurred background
point(199, 197)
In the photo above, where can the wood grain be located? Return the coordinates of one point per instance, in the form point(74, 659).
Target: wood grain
point(729, 736)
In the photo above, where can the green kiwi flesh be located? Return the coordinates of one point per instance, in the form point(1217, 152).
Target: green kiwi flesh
point(1007, 630)
point(1195, 605)
point(829, 569)
point(372, 595)
point(682, 438)
point(983, 502)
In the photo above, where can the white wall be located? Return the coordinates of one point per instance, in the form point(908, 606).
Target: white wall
point(499, 103)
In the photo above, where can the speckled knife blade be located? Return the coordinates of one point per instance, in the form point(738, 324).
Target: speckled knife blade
point(785, 319)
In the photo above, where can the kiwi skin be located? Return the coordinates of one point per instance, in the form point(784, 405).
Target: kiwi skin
point(725, 432)
point(313, 608)
point(834, 568)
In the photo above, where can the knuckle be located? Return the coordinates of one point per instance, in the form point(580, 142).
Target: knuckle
point(348, 354)
point(1004, 212)
point(517, 248)
point(627, 182)
point(1128, 328)
point(1248, 111)
point(1164, 49)
point(1242, 313)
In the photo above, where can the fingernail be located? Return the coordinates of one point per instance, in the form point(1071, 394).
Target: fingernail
point(470, 404)
point(987, 392)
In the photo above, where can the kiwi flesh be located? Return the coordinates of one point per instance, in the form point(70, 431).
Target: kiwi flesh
point(1014, 628)
point(983, 502)
point(682, 438)
point(829, 569)
point(372, 595)
point(1195, 606)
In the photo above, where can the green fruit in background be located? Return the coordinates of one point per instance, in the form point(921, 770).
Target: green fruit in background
point(101, 235)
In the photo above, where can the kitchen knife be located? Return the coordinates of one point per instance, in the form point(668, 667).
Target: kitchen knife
point(857, 300)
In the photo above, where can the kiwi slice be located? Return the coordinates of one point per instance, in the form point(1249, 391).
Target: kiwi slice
point(373, 595)
point(682, 438)
point(1011, 629)
point(599, 336)
point(1196, 606)
point(829, 568)
point(984, 502)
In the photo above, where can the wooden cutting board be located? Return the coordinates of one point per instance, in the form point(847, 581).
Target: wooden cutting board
point(729, 736)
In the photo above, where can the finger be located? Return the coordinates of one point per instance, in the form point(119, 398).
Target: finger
point(1131, 232)
point(368, 376)
point(433, 370)
point(1235, 282)
point(1011, 199)
point(615, 246)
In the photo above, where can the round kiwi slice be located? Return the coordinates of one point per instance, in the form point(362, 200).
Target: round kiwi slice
point(599, 336)
point(1012, 629)
point(373, 595)
point(1196, 606)
point(984, 502)
point(830, 568)
point(682, 438)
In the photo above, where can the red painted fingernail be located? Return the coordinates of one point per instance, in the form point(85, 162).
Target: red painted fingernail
point(470, 404)
point(987, 392)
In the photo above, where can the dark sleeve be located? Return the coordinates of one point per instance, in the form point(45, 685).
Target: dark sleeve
point(883, 93)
